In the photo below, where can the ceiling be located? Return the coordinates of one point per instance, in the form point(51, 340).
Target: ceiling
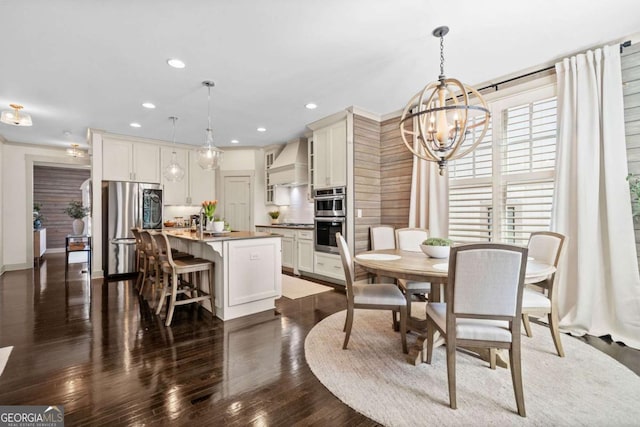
point(76, 65)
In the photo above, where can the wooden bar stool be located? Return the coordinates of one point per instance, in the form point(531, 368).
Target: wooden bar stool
point(140, 255)
point(171, 268)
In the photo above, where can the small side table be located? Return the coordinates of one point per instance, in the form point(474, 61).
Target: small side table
point(77, 243)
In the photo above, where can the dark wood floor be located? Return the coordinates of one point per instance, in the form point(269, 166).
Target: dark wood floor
point(99, 351)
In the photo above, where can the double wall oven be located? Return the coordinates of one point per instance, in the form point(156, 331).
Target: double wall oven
point(330, 217)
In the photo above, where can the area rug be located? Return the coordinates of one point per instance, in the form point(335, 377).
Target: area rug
point(373, 377)
point(294, 288)
point(4, 357)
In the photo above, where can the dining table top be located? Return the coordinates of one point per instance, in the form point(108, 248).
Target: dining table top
point(416, 266)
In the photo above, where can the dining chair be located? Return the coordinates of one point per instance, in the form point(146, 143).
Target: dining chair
point(482, 309)
point(545, 247)
point(382, 237)
point(410, 239)
point(173, 286)
point(375, 296)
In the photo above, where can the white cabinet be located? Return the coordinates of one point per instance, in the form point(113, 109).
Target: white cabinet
point(269, 157)
point(124, 160)
point(305, 251)
point(329, 265)
point(197, 185)
point(288, 247)
point(330, 156)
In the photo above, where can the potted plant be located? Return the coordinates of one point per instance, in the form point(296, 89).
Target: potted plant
point(37, 216)
point(218, 225)
point(209, 208)
point(274, 216)
point(76, 211)
point(436, 247)
point(634, 188)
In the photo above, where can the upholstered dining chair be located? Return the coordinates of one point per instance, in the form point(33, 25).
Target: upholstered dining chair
point(482, 309)
point(383, 237)
point(377, 296)
point(545, 247)
point(409, 239)
point(173, 286)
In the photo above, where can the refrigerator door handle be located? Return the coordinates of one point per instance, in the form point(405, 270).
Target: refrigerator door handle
point(124, 241)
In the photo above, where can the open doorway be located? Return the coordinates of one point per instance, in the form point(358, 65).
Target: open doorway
point(53, 189)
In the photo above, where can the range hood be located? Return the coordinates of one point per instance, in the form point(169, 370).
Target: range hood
point(290, 167)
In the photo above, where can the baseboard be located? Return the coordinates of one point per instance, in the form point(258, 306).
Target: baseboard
point(55, 251)
point(15, 267)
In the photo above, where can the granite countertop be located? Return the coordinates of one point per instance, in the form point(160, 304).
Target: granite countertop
point(218, 237)
point(289, 225)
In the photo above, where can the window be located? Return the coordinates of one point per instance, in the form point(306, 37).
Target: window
point(503, 190)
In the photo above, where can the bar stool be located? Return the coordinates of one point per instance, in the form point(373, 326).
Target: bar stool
point(151, 270)
point(140, 255)
point(175, 267)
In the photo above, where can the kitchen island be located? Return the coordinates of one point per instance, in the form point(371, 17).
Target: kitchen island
point(247, 268)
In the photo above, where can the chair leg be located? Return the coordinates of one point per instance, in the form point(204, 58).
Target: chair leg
point(555, 331)
point(431, 330)
point(526, 324)
point(163, 294)
point(348, 324)
point(212, 290)
point(516, 376)
point(174, 294)
point(394, 318)
point(403, 328)
point(409, 298)
point(492, 358)
point(451, 372)
point(144, 275)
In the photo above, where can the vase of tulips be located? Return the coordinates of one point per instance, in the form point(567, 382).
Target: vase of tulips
point(209, 207)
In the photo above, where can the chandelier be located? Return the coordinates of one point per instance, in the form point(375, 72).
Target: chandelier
point(75, 152)
point(446, 112)
point(209, 156)
point(173, 171)
point(14, 117)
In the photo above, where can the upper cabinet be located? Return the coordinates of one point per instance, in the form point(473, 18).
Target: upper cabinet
point(124, 160)
point(197, 185)
point(270, 155)
point(329, 156)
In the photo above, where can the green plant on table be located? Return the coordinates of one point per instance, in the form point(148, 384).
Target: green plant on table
point(209, 207)
point(75, 210)
point(437, 241)
point(274, 214)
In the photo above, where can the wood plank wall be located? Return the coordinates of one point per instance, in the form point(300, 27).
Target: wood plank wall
point(54, 188)
point(396, 166)
point(631, 89)
point(366, 170)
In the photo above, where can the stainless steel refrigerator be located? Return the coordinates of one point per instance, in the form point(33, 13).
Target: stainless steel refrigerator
point(126, 205)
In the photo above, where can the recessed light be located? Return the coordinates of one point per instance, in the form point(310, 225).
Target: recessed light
point(261, 129)
point(311, 106)
point(135, 125)
point(148, 105)
point(175, 63)
point(234, 141)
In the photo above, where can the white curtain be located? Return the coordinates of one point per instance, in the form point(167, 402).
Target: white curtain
point(429, 202)
point(598, 281)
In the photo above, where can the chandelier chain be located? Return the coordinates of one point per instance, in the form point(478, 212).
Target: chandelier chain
point(442, 55)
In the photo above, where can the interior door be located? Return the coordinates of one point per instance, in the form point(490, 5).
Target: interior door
point(237, 202)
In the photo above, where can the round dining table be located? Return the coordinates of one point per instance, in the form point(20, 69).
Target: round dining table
point(418, 267)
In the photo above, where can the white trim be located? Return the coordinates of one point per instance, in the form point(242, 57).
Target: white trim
point(392, 115)
point(16, 267)
point(329, 120)
point(55, 251)
point(364, 113)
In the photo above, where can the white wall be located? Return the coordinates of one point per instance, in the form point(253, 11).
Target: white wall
point(17, 198)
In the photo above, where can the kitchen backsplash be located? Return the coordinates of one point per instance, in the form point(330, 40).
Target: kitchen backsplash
point(300, 210)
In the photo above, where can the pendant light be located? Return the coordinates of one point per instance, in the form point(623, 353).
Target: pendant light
point(446, 112)
point(209, 156)
point(14, 117)
point(173, 171)
point(74, 151)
